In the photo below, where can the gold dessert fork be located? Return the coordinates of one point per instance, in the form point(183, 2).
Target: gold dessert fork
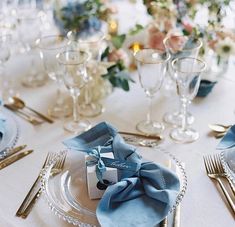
point(28, 203)
point(212, 172)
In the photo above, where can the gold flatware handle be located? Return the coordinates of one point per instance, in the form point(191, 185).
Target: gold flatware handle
point(44, 117)
point(176, 218)
point(153, 137)
point(226, 194)
point(13, 151)
point(164, 222)
point(20, 212)
point(6, 162)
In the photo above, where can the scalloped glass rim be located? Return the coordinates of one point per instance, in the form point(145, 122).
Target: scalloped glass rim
point(11, 141)
point(227, 170)
point(58, 211)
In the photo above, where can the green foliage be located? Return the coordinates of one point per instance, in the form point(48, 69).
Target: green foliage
point(118, 40)
point(136, 29)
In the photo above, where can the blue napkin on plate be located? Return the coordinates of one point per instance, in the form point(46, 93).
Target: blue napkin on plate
point(228, 141)
point(140, 198)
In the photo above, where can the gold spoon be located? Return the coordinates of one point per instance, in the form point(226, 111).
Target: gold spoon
point(20, 104)
point(219, 127)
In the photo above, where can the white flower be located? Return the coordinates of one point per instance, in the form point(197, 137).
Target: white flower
point(225, 47)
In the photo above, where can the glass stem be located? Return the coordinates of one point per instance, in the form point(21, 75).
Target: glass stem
point(184, 108)
point(60, 98)
point(75, 108)
point(149, 113)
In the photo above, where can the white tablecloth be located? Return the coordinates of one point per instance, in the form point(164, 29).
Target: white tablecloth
point(202, 205)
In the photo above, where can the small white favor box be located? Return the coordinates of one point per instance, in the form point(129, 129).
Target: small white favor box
point(95, 188)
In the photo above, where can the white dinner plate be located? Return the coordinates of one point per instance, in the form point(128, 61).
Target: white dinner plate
point(66, 193)
point(11, 134)
point(228, 161)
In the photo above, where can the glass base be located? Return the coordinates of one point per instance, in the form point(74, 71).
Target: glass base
point(184, 136)
point(60, 111)
point(150, 128)
point(176, 118)
point(90, 110)
point(77, 127)
point(34, 81)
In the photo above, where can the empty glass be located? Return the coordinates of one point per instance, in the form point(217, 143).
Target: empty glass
point(49, 47)
point(178, 46)
point(151, 65)
point(93, 43)
point(187, 72)
point(8, 88)
point(74, 77)
point(30, 20)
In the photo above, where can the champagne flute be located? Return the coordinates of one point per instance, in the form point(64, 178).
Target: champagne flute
point(151, 65)
point(49, 47)
point(178, 46)
point(74, 77)
point(93, 43)
point(187, 71)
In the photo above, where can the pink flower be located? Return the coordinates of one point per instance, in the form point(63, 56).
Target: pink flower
point(188, 27)
point(117, 55)
point(176, 43)
point(155, 39)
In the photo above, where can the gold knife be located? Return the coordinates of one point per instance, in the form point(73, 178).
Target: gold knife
point(14, 158)
point(13, 151)
point(153, 137)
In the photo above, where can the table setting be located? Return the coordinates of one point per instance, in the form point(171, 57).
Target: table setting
point(117, 113)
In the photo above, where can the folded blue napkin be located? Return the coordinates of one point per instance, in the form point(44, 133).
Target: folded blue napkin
point(142, 196)
point(228, 141)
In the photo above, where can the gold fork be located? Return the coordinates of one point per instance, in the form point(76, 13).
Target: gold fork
point(28, 204)
point(221, 172)
point(212, 172)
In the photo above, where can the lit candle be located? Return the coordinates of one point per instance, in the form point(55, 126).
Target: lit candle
point(136, 47)
point(112, 26)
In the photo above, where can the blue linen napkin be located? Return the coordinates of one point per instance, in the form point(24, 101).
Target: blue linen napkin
point(140, 198)
point(228, 141)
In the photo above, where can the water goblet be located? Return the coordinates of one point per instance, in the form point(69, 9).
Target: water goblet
point(178, 46)
point(30, 19)
point(49, 47)
point(8, 84)
point(93, 43)
point(151, 65)
point(74, 77)
point(187, 71)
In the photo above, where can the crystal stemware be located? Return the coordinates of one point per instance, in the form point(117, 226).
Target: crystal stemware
point(7, 84)
point(30, 19)
point(49, 47)
point(74, 77)
point(151, 65)
point(178, 46)
point(93, 43)
point(187, 72)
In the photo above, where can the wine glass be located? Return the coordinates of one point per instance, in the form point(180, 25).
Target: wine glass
point(30, 19)
point(74, 77)
point(178, 46)
point(93, 43)
point(8, 84)
point(151, 65)
point(187, 71)
point(49, 47)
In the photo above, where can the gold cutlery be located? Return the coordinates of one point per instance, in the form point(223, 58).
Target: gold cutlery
point(6, 162)
point(176, 218)
point(219, 128)
point(20, 104)
point(151, 137)
point(13, 151)
point(212, 172)
point(24, 115)
point(28, 203)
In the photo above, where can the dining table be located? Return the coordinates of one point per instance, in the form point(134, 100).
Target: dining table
point(203, 204)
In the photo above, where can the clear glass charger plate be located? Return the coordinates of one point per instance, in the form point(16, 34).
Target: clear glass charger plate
point(228, 162)
point(11, 135)
point(66, 193)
